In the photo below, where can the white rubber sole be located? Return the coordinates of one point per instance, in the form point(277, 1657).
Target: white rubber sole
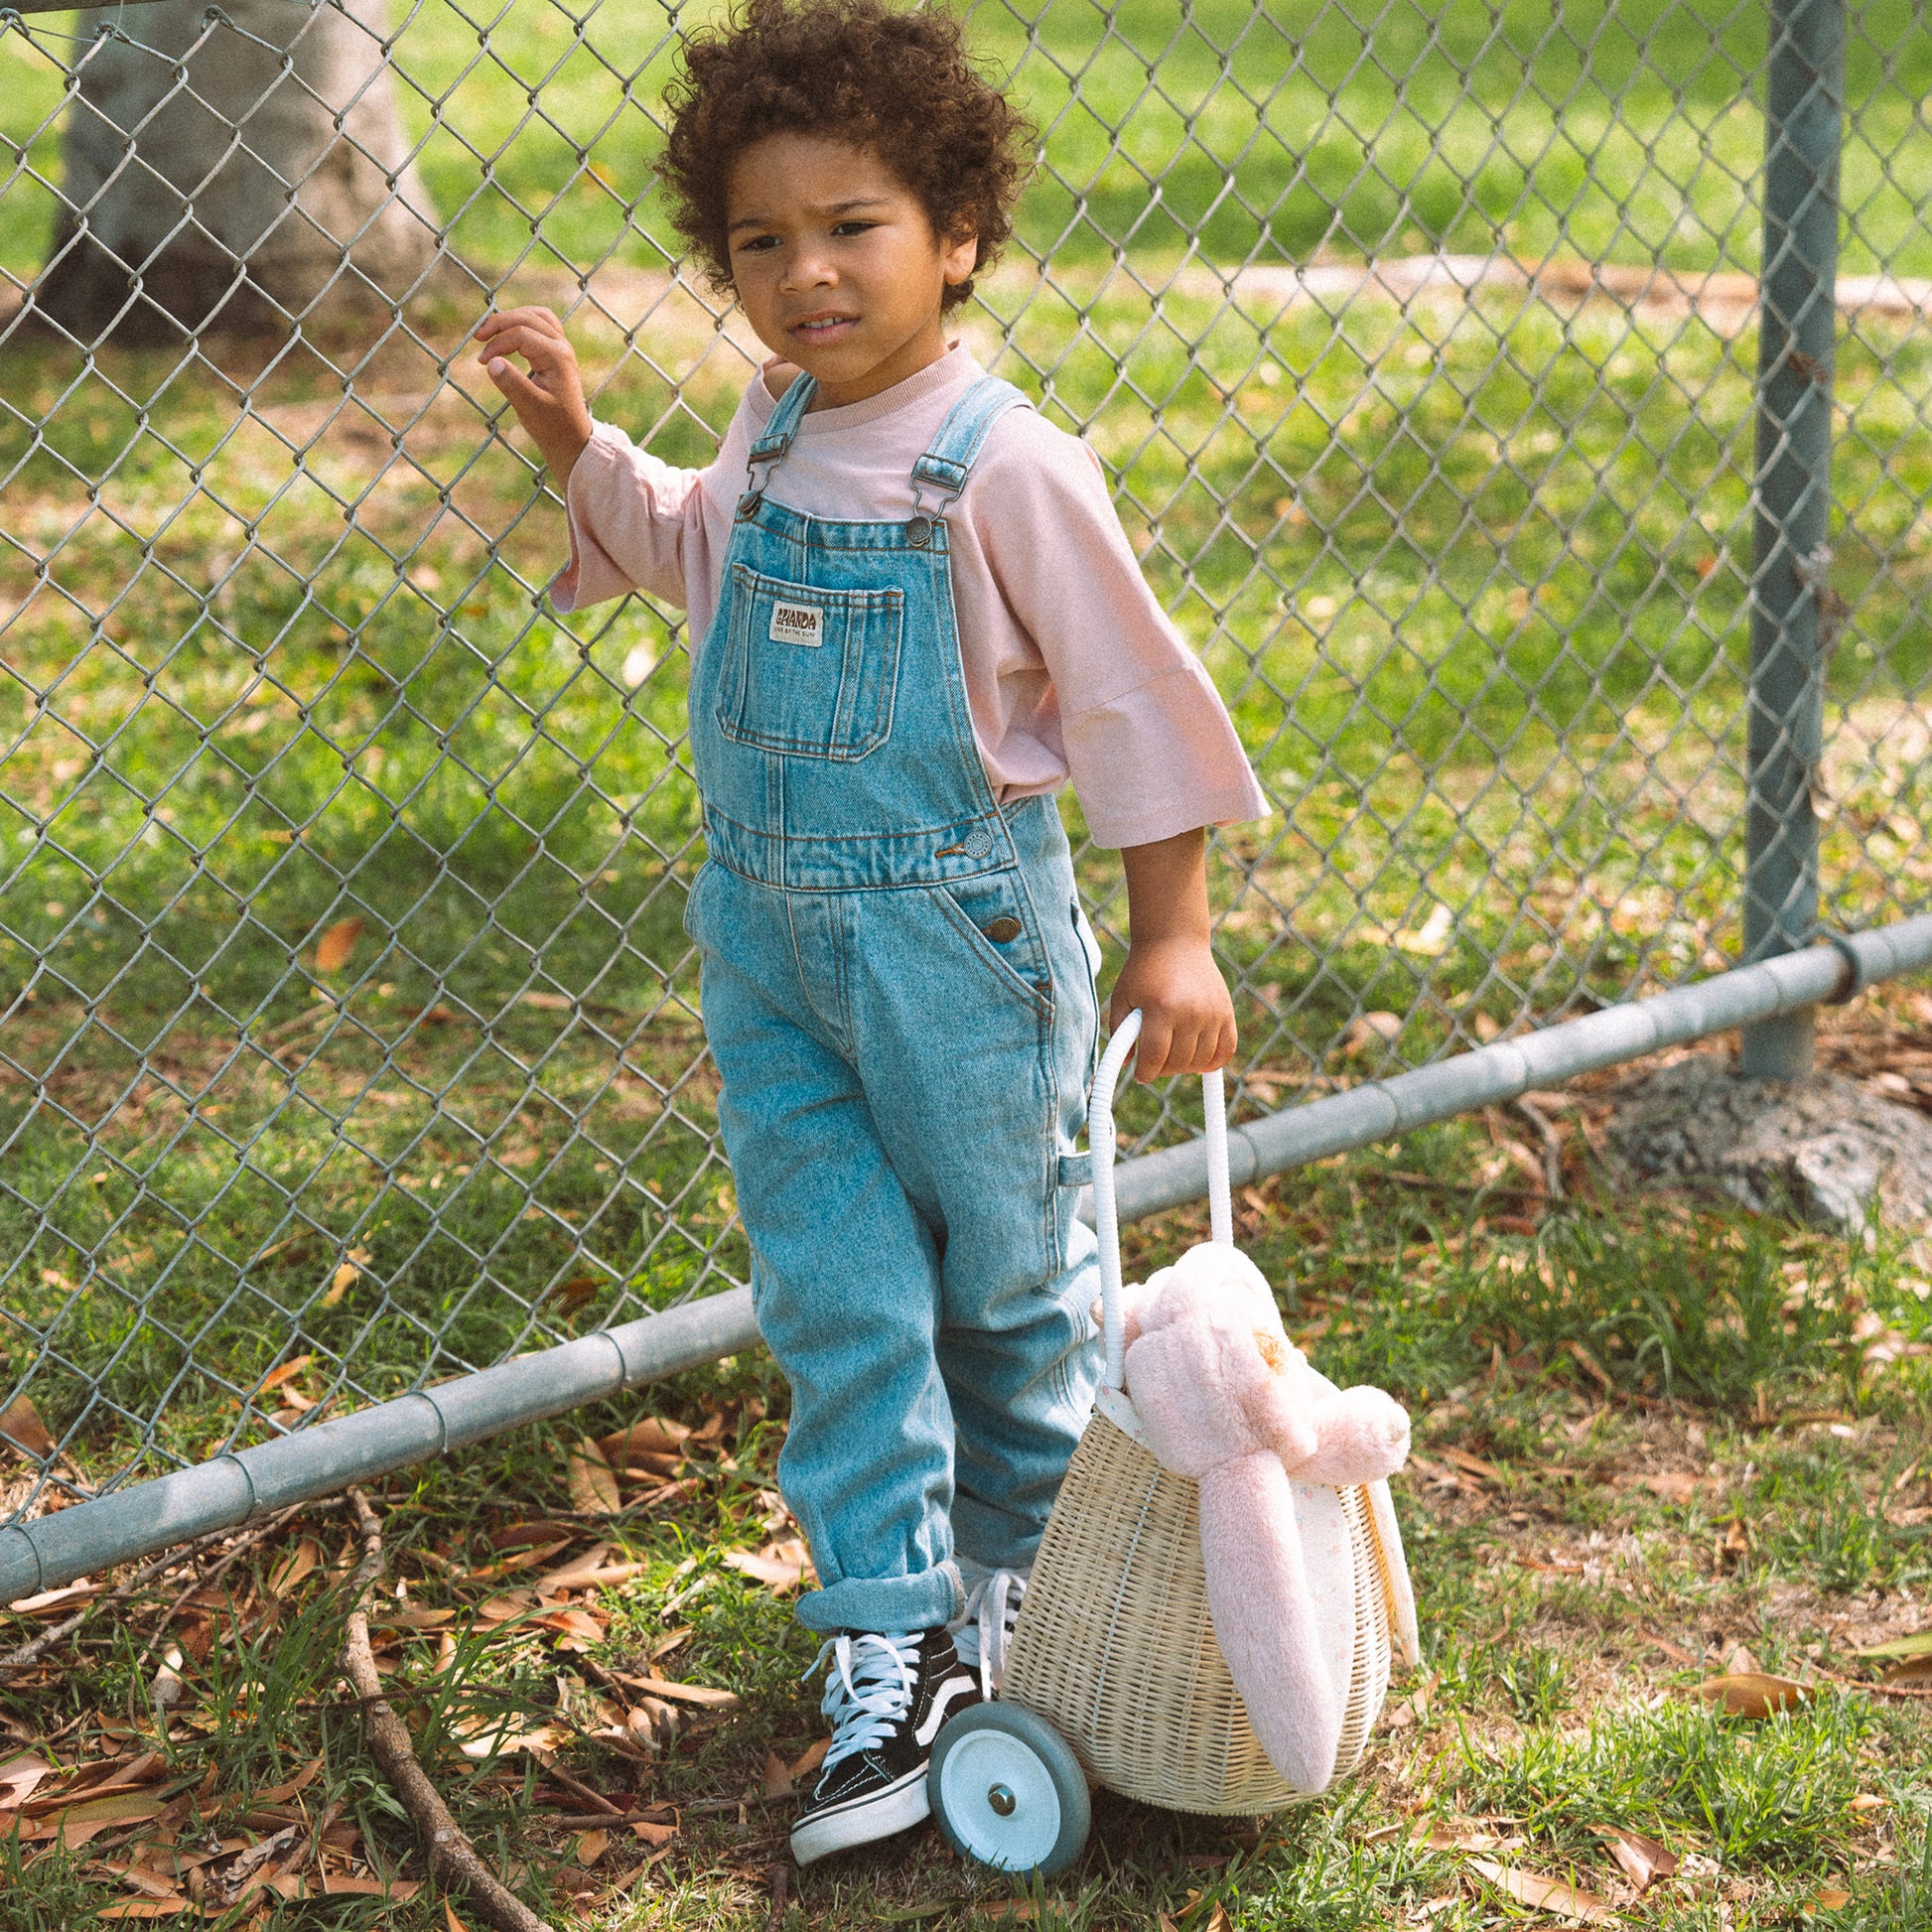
point(863, 1820)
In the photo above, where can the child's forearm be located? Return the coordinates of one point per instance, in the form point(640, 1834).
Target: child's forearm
point(1186, 1016)
point(1167, 889)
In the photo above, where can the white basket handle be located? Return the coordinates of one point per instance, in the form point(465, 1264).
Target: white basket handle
point(1106, 1213)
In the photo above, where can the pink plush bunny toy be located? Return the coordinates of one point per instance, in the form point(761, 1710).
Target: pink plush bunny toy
point(1222, 1396)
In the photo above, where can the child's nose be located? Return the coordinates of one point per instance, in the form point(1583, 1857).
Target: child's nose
point(808, 268)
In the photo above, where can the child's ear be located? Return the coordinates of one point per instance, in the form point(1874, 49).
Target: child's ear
point(962, 254)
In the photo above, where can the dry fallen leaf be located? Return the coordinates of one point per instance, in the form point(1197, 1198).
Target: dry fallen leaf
point(1832, 1899)
point(593, 1482)
point(809, 1759)
point(79, 1592)
point(1460, 1835)
point(18, 1778)
point(335, 945)
point(506, 1740)
point(576, 1630)
point(777, 1777)
point(653, 1435)
point(1750, 1694)
point(1544, 1895)
point(147, 1908)
point(520, 1560)
point(288, 1371)
point(1914, 1669)
point(401, 1889)
point(780, 1567)
point(592, 1847)
point(703, 1693)
point(280, 1794)
point(301, 1562)
point(652, 1723)
point(651, 1833)
point(451, 1920)
point(1642, 1859)
point(1474, 1465)
point(21, 1428)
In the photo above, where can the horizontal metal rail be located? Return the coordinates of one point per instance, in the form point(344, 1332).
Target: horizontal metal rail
point(231, 1489)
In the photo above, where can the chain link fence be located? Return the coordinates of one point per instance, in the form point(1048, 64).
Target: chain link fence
point(352, 1038)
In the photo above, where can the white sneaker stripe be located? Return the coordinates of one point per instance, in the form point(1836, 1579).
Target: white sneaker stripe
point(949, 1693)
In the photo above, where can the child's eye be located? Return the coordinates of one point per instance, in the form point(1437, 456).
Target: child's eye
point(854, 227)
point(756, 243)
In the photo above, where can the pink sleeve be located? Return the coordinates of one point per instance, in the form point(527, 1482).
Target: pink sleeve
point(1149, 745)
point(626, 515)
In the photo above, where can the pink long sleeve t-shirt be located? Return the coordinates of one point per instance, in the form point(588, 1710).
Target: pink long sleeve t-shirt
point(1072, 667)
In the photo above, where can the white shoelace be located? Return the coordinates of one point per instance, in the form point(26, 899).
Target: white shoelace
point(992, 1609)
point(868, 1687)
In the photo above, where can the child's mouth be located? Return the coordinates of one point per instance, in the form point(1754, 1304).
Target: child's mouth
point(818, 330)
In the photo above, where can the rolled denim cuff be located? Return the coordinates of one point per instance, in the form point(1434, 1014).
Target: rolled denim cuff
point(920, 1602)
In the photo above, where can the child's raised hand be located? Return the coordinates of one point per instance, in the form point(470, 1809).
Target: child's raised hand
point(549, 400)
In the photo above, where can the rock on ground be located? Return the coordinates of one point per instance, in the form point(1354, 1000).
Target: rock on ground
point(1826, 1147)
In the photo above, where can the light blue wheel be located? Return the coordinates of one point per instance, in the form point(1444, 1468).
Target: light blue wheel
point(1008, 1792)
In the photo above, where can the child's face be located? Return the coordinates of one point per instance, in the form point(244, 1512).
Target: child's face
point(837, 265)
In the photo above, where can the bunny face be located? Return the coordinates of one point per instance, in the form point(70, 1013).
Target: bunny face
point(1210, 1369)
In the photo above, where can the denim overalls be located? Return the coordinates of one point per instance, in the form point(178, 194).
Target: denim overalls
point(898, 993)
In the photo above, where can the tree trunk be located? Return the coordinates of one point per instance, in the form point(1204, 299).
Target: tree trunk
point(241, 177)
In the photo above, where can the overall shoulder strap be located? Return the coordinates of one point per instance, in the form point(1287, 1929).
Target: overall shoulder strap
point(955, 448)
point(779, 427)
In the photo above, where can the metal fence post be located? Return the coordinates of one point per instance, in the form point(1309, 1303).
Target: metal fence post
point(1797, 313)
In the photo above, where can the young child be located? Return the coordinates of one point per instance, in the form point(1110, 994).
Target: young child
point(913, 616)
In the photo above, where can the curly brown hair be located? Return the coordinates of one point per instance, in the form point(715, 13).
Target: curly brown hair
point(899, 84)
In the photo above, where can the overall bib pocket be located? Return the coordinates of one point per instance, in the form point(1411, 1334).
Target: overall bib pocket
point(808, 671)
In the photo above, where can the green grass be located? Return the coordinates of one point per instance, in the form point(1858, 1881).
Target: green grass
point(1544, 1715)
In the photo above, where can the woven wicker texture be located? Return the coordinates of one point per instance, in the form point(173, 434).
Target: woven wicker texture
point(1116, 1649)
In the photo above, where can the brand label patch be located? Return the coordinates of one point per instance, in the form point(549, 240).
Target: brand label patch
point(798, 623)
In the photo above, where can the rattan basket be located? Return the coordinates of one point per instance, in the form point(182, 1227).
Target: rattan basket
point(1114, 1644)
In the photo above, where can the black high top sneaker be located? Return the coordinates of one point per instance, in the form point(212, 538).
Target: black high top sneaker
point(886, 1696)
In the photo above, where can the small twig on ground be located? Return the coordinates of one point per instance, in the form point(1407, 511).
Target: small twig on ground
point(1552, 1145)
point(452, 1858)
point(578, 1821)
point(1876, 1690)
point(781, 1885)
point(584, 1791)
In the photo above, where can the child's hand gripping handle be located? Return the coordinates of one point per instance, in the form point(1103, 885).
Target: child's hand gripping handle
point(1106, 1212)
